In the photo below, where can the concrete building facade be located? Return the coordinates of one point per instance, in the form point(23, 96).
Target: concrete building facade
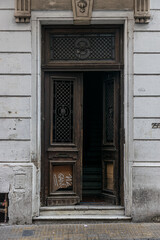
point(21, 101)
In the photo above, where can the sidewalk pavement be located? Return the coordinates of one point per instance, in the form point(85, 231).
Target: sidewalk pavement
point(99, 231)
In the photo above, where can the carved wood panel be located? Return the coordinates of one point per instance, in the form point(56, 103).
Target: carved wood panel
point(110, 146)
point(85, 46)
point(62, 152)
point(63, 111)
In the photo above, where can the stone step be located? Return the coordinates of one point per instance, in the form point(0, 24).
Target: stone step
point(79, 213)
point(70, 219)
point(82, 211)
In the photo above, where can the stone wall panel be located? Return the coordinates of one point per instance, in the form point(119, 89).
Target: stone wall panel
point(146, 193)
point(15, 129)
point(147, 107)
point(143, 129)
point(147, 85)
point(14, 151)
point(15, 63)
point(15, 107)
point(146, 151)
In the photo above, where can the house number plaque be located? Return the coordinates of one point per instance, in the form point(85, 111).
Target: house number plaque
point(155, 125)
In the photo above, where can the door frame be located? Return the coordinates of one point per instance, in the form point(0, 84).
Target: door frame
point(41, 18)
point(47, 68)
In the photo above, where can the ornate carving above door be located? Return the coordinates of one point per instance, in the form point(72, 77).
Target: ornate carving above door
point(82, 11)
point(67, 5)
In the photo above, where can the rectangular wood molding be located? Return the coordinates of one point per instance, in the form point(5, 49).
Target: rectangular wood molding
point(142, 11)
point(22, 11)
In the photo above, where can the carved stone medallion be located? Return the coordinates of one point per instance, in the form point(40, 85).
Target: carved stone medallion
point(82, 11)
point(82, 4)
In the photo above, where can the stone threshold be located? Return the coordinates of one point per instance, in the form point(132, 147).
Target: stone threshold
point(82, 207)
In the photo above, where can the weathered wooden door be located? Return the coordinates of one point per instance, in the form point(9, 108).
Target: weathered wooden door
point(111, 137)
point(62, 115)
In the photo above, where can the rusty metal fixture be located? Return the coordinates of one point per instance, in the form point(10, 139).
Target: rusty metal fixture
point(82, 4)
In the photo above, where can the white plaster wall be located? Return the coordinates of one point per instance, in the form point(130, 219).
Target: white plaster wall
point(16, 179)
point(146, 192)
point(16, 170)
point(155, 4)
point(14, 151)
point(145, 175)
point(15, 42)
point(146, 85)
point(7, 4)
point(15, 85)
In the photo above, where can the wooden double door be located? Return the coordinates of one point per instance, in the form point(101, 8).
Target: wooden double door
point(81, 134)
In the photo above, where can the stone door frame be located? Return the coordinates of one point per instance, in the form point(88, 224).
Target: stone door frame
point(40, 18)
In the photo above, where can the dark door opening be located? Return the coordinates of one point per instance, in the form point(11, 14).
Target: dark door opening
point(92, 136)
point(101, 137)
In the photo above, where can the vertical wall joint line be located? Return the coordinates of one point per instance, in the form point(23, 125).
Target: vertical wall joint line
point(22, 11)
point(142, 11)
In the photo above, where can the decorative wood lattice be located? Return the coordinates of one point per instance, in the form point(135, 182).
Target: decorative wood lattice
point(82, 47)
point(142, 11)
point(63, 112)
point(22, 11)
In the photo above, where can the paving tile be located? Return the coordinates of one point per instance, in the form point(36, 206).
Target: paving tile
point(108, 231)
point(27, 233)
